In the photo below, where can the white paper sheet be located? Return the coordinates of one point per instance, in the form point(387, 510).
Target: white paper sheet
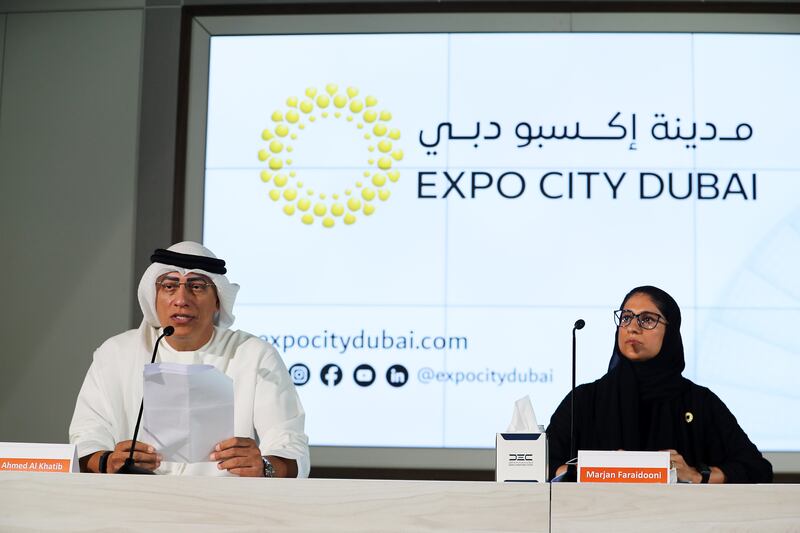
point(188, 409)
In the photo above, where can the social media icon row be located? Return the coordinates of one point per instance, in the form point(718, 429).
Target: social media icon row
point(364, 375)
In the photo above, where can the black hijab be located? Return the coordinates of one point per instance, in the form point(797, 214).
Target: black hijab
point(643, 401)
point(648, 405)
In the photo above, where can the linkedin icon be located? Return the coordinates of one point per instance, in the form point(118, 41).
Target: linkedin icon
point(397, 375)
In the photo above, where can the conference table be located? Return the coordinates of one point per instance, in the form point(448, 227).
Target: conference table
point(92, 502)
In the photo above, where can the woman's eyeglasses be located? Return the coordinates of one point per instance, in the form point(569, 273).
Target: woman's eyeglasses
point(645, 319)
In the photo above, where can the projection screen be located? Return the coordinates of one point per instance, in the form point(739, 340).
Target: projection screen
point(419, 207)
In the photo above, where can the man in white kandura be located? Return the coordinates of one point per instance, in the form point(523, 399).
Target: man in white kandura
point(185, 287)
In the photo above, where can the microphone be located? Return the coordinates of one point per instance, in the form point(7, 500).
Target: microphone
point(572, 471)
point(129, 467)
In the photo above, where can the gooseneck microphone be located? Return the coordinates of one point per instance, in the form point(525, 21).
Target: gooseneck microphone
point(129, 467)
point(573, 453)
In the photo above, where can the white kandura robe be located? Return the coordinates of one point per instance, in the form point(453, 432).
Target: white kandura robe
point(266, 405)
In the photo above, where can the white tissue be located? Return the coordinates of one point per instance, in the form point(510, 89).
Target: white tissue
point(524, 419)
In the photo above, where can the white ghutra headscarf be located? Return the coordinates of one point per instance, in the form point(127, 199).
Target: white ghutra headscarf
point(185, 257)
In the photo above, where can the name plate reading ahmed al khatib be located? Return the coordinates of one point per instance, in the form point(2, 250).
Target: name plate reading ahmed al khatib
point(33, 457)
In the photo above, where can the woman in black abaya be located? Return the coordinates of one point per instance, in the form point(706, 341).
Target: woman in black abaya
point(644, 403)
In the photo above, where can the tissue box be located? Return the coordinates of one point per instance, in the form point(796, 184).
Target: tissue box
point(521, 457)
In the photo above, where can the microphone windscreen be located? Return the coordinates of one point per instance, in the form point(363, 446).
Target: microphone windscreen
point(169, 330)
point(579, 323)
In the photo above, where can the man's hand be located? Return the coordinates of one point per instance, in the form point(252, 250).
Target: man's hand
point(144, 456)
point(241, 456)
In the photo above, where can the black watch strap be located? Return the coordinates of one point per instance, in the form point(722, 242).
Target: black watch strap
point(103, 463)
point(705, 473)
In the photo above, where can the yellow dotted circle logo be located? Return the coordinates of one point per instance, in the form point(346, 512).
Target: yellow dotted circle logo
point(308, 202)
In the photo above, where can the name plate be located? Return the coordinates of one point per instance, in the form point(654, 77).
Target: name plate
point(29, 457)
point(623, 467)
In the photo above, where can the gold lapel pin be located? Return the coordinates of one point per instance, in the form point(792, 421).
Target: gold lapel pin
point(689, 417)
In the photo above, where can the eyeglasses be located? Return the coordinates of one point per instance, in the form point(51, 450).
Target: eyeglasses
point(645, 319)
point(197, 286)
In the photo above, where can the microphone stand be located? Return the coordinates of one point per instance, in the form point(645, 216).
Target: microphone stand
point(572, 467)
point(129, 467)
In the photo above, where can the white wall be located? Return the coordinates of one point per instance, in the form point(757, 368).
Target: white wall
point(69, 114)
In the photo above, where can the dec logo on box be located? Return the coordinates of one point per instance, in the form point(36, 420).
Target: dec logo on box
point(521, 457)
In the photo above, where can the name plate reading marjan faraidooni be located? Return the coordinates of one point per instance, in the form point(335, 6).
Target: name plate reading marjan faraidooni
point(623, 467)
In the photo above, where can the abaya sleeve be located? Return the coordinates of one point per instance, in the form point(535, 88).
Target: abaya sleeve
point(558, 437)
point(729, 448)
point(558, 432)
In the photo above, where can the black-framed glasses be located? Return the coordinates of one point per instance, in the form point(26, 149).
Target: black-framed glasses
point(196, 286)
point(645, 319)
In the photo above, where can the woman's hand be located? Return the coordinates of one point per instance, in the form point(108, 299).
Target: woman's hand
point(685, 472)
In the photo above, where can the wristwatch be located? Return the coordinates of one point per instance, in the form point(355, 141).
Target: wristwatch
point(269, 470)
point(103, 463)
point(705, 473)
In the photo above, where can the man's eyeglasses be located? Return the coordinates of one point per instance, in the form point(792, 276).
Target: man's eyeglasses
point(198, 286)
point(645, 319)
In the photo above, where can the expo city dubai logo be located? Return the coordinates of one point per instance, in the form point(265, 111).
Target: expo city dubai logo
point(310, 202)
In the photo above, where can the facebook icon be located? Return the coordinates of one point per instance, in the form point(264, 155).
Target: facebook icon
point(397, 375)
point(331, 375)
